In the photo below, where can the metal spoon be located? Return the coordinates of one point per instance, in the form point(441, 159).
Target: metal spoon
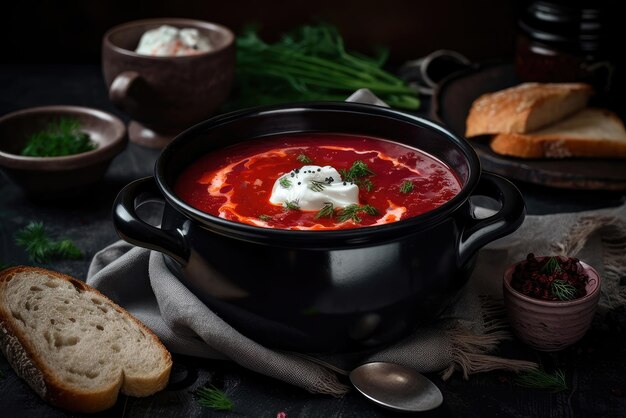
point(396, 387)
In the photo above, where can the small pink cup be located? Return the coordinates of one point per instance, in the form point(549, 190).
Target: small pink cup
point(551, 325)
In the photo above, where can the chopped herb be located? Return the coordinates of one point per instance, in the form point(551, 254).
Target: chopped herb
point(358, 170)
point(406, 187)
point(351, 212)
point(304, 159)
point(34, 238)
point(540, 379)
point(328, 211)
point(367, 184)
point(60, 138)
point(265, 218)
point(285, 182)
point(356, 174)
point(212, 397)
point(563, 290)
point(317, 186)
point(292, 205)
point(551, 265)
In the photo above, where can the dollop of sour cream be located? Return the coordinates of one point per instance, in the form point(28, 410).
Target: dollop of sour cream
point(168, 41)
point(311, 187)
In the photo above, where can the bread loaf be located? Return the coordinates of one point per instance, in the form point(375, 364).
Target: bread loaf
point(525, 108)
point(75, 347)
point(588, 133)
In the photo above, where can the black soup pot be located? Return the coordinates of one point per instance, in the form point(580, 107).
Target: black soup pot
point(321, 291)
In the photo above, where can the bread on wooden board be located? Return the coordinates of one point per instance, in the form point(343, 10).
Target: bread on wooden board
point(588, 133)
point(75, 347)
point(525, 107)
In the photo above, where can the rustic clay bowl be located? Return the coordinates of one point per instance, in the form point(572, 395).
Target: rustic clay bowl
point(57, 177)
point(165, 95)
point(551, 325)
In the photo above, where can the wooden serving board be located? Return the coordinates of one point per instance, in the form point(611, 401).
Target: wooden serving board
point(451, 104)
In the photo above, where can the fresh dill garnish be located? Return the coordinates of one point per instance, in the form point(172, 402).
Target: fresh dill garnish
point(212, 397)
point(60, 138)
point(551, 265)
point(357, 174)
point(367, 184)
point(358, 170)
point(327, 211)
point(406, 187)
point(35, 240)
point(265, 218)
point(285, 182)
point(540, 379)
point(291, 205)
point(563, 290)
point(304, 159)
point(317, 186)
point(351, 212)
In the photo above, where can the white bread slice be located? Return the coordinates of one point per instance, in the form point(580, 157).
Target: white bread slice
point(588, 133)
point(525, 108)
point(75, 347)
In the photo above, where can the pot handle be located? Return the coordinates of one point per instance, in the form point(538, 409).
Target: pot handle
point(122, 89)
point(479, 232)
point(134, 230)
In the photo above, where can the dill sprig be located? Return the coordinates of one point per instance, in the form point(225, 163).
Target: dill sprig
point(285, 182)
point(62, 137)
point(358, 170)
point(212, 397)
point(327, 211)
point(551, 265)
point(291, 205)
point(367, 184)
point(317, 186)
point(540, 379)
point(35, 240)
point(304, 159)
point(265, 218)
point(357, 174)
point(563, 290)
point(351, 212)
point(406, 187)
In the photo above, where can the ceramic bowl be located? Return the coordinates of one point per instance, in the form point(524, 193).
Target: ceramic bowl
point(52, 177)
point(551, 325)
point(165, 95)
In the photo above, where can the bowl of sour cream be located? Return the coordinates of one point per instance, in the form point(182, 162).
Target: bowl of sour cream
point(167, 74)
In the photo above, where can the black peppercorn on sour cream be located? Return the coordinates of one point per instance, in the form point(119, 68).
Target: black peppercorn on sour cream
point(311, 187)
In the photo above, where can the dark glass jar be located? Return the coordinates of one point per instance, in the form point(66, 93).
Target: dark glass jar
point(564, 41)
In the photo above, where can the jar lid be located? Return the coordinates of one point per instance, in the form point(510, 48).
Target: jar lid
point(569, 25)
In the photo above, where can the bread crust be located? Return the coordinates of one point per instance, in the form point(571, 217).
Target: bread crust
point(29, 366)
point(556, 142)
point(525, 107)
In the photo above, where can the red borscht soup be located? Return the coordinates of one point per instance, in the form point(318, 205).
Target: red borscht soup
point(320, 181)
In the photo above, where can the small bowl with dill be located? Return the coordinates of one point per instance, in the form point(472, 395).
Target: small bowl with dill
point(551, 301)
point(57, 151)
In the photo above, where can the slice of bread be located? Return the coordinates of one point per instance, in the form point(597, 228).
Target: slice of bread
point(75, 347)
point(588, 133)
point(525, 108)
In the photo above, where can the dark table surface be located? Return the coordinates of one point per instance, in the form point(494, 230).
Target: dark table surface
point(595, 367)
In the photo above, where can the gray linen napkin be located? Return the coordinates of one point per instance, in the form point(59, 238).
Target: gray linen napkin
point(139, 280)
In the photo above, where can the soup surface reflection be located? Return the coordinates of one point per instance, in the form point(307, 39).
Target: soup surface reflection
point(317, 181)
